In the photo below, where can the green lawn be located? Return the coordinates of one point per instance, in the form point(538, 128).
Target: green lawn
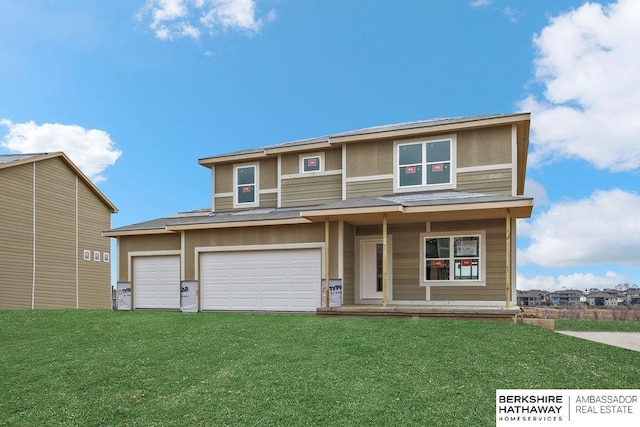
point(94, 368)
point(597, 325)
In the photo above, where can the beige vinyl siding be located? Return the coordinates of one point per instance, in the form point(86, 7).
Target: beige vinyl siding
point(311, 190)
point(348, 274)
point(55, 250)
point(373, 188)
point(482, 147)
point(94, 217)
point(333, 160)
point(495, 262)
point(406, 262)
point(369, 158)
point(258, 236)
point(496, 181)
point(268, 174)
point(224, 203)
point(290, 164)
point(143, 243)
point(16, 236)
point(269, 200)
point(223, 178)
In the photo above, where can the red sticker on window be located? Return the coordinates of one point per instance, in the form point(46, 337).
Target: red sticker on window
point(437, 167)
point(438, 263)
point(312, 162)
point(246, 189)
point(467, 262)
point(410, 169)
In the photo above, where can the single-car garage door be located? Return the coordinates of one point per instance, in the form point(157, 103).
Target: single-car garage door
point(156, 282)
point(273, 280)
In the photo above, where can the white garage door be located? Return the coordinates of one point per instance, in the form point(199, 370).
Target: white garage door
point(277, 280)
point(156, 282)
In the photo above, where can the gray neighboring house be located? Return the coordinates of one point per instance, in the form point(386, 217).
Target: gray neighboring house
point(52, 253)
point(532, 298)
point(566, 297)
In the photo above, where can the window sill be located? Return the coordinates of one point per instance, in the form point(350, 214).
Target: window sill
point(453, 283)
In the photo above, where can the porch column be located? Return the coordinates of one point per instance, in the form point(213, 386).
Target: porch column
point(507, 296)
point(326, 261)
point(384, 261)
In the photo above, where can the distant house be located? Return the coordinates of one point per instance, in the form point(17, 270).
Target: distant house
point(566, 297)
point(411, 214)
point(602, 299)
point(633, 296)
point(52, 253)
point(532, 298)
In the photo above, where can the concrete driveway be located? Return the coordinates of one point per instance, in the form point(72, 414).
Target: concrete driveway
point(628, 340)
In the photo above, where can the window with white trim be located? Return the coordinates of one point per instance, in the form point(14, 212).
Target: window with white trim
point(246, 185)
point(425, 164)
point(311, 163)
point(452, 258)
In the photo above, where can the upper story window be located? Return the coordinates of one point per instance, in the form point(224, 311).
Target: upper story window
point(246, 186)
point(425, 164)
point(311, 163)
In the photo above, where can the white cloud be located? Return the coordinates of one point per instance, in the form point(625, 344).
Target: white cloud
point(92, 150)
point(171, 19)
point(582, 281)
point(534, 189)
point(600, 229)
point(480, 3)
point(588, 62)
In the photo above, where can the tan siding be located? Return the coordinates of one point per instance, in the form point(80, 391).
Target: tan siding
point(93, 277)
point(224, 204)
point(16, 236)
point(495, 264)
point(224, 178)
point(290, 164)
point(406, 262)
point(311, 190)
point(333, 159)
point(251, 236)
point(269, 200)
point(151, 242)
point(268, 173)
point(495, 181)
point(370, 158)
point(379, 187)
point(481, 147)
point(55, 235)
point(348, 277)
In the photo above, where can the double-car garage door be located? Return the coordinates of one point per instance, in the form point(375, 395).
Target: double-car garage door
point(273, 280)
point(256, 280)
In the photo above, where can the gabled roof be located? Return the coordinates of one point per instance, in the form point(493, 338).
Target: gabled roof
point(12, 160)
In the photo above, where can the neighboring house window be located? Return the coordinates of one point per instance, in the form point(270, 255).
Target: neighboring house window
point(246, 184)
point(311, 163)
point(453, 258)
point(425, 164)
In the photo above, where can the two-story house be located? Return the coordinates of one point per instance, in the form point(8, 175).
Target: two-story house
point(419, 214)
point(566, 297)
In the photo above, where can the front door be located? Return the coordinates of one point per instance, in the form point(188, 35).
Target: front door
point(371, 269)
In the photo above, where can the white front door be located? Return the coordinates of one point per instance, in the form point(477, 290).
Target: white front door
point(371, 269)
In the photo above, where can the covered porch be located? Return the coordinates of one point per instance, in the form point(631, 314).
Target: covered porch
point(408, 282)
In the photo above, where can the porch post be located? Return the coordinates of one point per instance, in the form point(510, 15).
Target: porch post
point(326, 261)
point(384, 261)
point(508, 264)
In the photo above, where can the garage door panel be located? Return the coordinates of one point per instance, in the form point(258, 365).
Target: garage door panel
point(156, 282)
point(279, 280)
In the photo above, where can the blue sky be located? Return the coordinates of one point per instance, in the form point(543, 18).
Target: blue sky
point(136, 91)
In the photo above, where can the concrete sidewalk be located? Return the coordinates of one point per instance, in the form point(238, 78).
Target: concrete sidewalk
point(628, 340)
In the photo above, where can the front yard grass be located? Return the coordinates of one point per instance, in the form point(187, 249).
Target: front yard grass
point(158, 368)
